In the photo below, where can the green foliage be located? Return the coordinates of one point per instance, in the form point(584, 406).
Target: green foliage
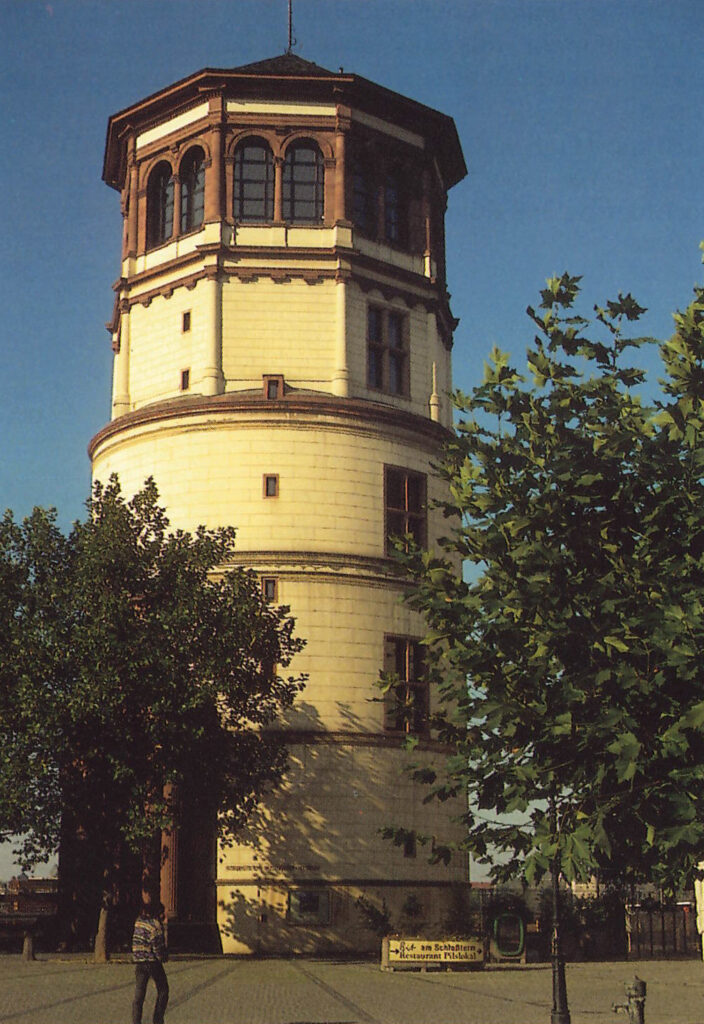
point(138, 670)
point(568, 661)
point(377, 919)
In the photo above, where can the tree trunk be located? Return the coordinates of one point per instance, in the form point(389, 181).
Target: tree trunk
point(151, 870)
point(28, 945)
point(102, 952)
point(560, 1010)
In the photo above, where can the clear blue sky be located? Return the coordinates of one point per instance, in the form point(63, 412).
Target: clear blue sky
point(580, 122)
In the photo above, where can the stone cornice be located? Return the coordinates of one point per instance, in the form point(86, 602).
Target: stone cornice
point(367, 272)
point(331, 566)
point(289, 410)
point(320, 737)
point(246, 874)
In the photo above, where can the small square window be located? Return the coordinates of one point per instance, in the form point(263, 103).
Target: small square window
point(185, 380)
point(271, 485)
point(186, 321)
point(273, 386)
point(309, 906)
point(270, 588)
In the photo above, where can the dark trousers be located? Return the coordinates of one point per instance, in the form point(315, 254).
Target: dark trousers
point(142, 973)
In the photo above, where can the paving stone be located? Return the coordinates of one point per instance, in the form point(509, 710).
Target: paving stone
point(223, 990)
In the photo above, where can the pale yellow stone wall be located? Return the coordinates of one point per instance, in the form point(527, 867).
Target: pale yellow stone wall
point(323, 537)
point(213, 475)
point(323, 825)
point(286, 328)
point(289, 108)
point(252, 918)
point(159, 348)
point(269, 327)
point(343, 620)
point(182, 245)
point(210, 471)
point(172, 124)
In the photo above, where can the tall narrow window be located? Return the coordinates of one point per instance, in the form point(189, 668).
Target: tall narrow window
point(160, 205)
point(253, 181)
point(192, 175)
point(303, 181)
point(364, 200)
point(406, 706)
point(375, 348)
point(405, 505)
point(393, 221)
point(387, 351)
point(396, 355)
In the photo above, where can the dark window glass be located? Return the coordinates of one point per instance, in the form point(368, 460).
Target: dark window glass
point(405, 506)
point(374, 330)
point(386, 351)
point(253, 181)
point(364, 206)
point(376, 368)
point(406, 707)
point(192, 177)
point(392, 209)
point(303, 181)
point(309, 906)
point(375, 355)
point(160, 205)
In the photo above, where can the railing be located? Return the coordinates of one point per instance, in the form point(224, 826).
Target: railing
point(662, 931)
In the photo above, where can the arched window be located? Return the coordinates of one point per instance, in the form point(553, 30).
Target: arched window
point(253, 181)
point(160, 205)
point(192, 175)
point(303, 181)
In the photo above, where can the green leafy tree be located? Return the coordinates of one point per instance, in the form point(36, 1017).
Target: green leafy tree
point(568, 660)
point(139, 674)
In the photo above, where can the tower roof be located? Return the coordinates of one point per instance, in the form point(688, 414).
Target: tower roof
point(287, 76)
point(287, 64)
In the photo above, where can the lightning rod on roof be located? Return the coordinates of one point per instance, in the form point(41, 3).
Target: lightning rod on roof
point(291, 38)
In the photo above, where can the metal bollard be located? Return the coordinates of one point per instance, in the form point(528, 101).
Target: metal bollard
point(635, 1005)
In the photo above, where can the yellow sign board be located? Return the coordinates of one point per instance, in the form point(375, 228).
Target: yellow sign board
point(427, 951)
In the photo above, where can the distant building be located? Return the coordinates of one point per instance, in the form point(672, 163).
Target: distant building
point(29, 896)
point(283, 337)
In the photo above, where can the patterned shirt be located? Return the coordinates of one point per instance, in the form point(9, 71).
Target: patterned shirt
point(148, 940)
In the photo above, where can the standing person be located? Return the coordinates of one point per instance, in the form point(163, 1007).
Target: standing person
point(149, 951)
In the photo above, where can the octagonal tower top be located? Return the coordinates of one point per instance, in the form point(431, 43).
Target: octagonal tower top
point(287, 77)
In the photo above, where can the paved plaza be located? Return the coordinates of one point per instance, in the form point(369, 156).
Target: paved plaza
point(231, 991)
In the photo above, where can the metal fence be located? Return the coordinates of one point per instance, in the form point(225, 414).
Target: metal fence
point(662, 931)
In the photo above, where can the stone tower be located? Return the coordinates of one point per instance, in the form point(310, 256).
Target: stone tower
point(282, 339)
